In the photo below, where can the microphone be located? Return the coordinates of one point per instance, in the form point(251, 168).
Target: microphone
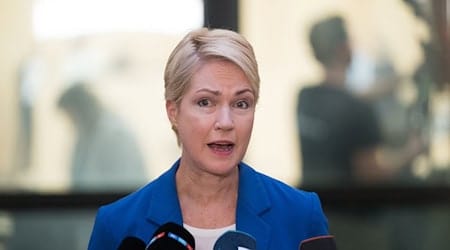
point(131, 243)
point(325, 242)
point(171, 236)
point(232, 240)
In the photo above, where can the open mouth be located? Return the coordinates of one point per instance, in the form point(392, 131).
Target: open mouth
point(221, 147)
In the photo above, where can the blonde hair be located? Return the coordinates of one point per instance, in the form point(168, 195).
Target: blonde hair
point(201, 45)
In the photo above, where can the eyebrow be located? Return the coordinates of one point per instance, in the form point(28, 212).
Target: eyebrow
point(217, 92)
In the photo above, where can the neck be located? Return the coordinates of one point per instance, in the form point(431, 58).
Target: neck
point(336, 75)
point(206, 200)
point(204, 188)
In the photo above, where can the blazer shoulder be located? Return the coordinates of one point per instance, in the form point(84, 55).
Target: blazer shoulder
point(285, 191)
point(282, 193)
point(140, 199)
point(130, 199)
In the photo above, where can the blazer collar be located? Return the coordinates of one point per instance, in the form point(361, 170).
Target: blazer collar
point(253, 203)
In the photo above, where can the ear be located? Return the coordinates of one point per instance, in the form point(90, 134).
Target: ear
point(172, 111)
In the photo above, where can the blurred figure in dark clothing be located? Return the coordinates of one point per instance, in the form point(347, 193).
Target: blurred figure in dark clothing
point(339, 133)
point(106, 155)
point(342, 145)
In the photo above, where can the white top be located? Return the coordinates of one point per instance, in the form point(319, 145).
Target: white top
point(205, 238)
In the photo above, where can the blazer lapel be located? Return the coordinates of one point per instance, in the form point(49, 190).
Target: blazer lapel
point(253, 203)
point(164, 206)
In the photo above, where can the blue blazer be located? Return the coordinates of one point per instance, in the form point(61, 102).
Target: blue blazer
point(277, 215)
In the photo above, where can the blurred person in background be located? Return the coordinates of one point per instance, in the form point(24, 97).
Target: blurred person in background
point(106, 155)
point(343, 144)
point(30, 79)
point(340, 134)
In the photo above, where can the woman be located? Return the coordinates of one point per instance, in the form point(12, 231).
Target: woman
point(211, 89)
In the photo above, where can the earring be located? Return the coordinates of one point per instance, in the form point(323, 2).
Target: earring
point(174, 128)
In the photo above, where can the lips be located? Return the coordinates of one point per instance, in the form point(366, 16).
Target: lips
point(221, 146)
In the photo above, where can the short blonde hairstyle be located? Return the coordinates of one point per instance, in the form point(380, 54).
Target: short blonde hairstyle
point(201, 45)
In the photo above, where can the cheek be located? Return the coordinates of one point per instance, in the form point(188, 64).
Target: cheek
point(193, 126)
point(245, 128)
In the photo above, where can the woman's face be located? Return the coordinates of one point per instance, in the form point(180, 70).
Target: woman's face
point(214, 119)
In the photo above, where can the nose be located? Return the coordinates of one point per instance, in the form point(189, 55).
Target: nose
point(224, 119)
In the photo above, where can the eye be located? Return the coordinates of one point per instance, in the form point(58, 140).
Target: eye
point(242, 104)
point(204, 103)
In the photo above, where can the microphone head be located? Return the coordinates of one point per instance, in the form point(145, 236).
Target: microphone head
point(171, 236)
point(131, 243)
point(232, 240)
point(325, 242)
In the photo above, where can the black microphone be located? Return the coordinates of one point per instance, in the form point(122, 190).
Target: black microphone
point(325, 242)
point(131, 243)
point(232, 240)
point(171, 236)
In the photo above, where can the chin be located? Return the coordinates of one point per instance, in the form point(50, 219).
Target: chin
point(224, 168)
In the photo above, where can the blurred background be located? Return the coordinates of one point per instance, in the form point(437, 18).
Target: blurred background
point(82, 114)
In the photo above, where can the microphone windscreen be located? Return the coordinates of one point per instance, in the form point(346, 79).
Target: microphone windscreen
point(325, 242)
point(171, 236)
point(232, 240)
point(131, 243)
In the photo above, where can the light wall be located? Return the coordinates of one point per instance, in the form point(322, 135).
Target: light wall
point(15, 40)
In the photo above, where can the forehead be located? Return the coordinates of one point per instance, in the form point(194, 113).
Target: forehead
point(219, 72)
